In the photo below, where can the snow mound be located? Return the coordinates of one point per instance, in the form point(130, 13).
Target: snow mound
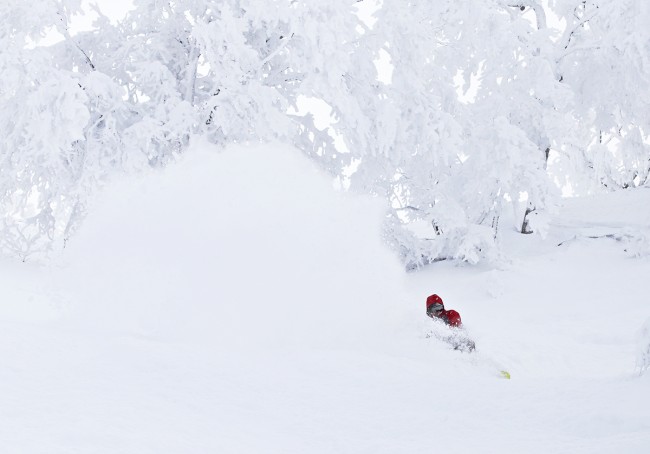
point(621, 216)
point(643, 348)
point(249, 245)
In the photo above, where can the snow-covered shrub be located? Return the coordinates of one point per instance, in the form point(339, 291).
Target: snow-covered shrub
point(453, 239)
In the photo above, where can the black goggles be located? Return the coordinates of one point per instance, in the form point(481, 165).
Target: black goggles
point(437, 307)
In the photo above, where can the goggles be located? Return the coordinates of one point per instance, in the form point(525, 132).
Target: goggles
point(436, 307)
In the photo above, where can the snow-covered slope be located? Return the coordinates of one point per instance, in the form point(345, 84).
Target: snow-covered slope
point(236, 304)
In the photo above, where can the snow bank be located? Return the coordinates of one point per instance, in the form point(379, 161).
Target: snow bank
point(622, 216)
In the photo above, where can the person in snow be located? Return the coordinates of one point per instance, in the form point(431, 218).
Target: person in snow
point(436, 310)
point(458, 339)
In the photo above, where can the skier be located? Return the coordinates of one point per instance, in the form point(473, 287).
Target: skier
point(458, 338)
point(436, 310)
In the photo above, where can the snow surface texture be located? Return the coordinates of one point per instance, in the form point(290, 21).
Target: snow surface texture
point(237, 304)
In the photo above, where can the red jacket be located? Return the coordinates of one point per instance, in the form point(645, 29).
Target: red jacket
point(436, 309)
point(451, 318)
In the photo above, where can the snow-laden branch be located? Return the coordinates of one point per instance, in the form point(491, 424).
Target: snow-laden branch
point(283, 43)
point(540, 14)
point(570, 32)
point(68, 37)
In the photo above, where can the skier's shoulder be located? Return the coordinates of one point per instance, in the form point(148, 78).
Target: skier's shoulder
point(453, 318)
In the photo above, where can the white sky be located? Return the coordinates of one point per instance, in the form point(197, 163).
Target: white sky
point(114, 9)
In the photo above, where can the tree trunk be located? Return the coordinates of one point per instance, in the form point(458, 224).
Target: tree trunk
point(525, 229)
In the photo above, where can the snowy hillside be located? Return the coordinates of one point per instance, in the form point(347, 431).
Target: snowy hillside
point(236, 303)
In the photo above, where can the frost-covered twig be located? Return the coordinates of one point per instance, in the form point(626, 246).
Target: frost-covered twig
point(67, 36)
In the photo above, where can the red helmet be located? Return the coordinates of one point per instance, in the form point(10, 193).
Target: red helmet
point(434, 303)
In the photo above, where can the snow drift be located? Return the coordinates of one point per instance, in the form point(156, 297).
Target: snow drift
point(245, 246)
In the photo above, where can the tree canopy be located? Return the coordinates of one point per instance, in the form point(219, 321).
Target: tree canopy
point(480, 109)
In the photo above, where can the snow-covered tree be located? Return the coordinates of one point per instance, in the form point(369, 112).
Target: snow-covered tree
point(535, 89)
point(603, 56)
point(459, 166)
point(132, 94)
point(457, 137)
point(43, 114)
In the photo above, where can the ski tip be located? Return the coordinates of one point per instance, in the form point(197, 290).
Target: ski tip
point(504, 374)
